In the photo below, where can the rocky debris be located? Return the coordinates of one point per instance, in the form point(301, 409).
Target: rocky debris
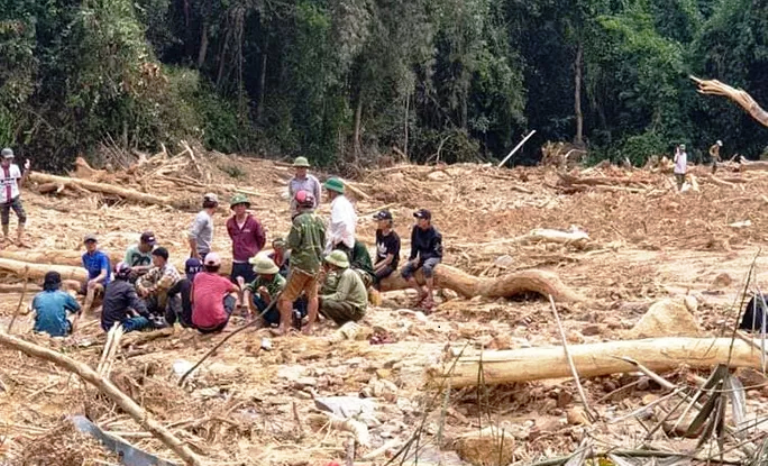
point(491, 446)
point(667, 318)
point(576, 416)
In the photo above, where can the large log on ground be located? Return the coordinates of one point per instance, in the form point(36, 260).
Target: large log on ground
point(600, 359)
point(507, 286)
point(595, 181)
point(37, 272)
point(104, 188)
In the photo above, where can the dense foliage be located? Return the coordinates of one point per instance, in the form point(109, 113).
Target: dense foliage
point(346, 80)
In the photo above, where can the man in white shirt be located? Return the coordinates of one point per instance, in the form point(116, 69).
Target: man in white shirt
point(10, 179)
point(343, 218)
point(681, 165)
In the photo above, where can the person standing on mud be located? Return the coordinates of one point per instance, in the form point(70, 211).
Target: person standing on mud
point(248, 238)
point(714, 152)
point(302, 181)
point(201, 231)
point(10, 180)
point(681, 165)
point(343, 218)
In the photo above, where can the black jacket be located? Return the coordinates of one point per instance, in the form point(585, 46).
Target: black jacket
point(119, 298)
point(427, 244)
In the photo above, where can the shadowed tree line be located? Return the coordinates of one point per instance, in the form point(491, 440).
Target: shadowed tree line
point(344, 81)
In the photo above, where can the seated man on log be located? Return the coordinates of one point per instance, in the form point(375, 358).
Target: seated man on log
point(426, 254)
point(122, 305)
point(387, 246)
point(306, 241)
point(268, 285)
point(139, 256)
point(213, 297)
point(179, 306)
point(51, 307)
point(96, 263)
point(343, 297)
point(280, 256)
point(10, 179)
point(154, 286)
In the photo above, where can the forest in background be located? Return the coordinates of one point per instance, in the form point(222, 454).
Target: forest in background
point(343, 81)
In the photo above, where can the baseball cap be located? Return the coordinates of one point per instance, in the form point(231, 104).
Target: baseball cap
point(383, 215)
point(7, 153)
point(212, 259)
point(148, 238)
point(211, 197)
point(423, 213)
point(161, 251)
point(89, 237)
point(192, 267)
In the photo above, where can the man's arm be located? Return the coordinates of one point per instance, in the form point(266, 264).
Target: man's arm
point(24, 173)
point(259, 235)
point(316, 190)
point(414, 251)
point(294, 237)
point(384, 262)
point(104, 270)
point(135, 303)
point(436, 245)
point(342, 290)
point(194, 230)
point(71, 304)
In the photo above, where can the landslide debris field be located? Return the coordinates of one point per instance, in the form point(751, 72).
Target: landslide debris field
point(634, 242)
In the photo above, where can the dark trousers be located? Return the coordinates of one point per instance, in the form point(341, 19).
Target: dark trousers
point(179, 306)
point(242, 270)
point(273, 316)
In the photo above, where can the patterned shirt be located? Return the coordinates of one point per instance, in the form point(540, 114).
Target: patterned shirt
point(162, 279)
point(306, 242)
point(274, 287)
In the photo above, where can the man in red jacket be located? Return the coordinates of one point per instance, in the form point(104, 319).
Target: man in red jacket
point(248, 239)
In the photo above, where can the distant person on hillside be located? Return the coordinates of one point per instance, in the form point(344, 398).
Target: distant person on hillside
point(10, 180)
point(201, 231)
point(302, 181)
point(122, 304)
point(343, 218)
point(306, 241)
point(426, 254)
point(96, 263)
point(387, 246)
point(681, 165)
point(139, 256)
point(714, 152)
point(248, 238)
point(213, 297)
point(51, 307)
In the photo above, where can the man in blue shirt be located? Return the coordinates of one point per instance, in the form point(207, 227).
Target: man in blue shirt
point(99, 272)
point(51, 307)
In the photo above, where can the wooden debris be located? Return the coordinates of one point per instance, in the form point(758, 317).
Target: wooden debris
point(37, 271)
point(104, 188)
point(593, 360)
point(666, 318)
point(507, 286)
point(105, 386)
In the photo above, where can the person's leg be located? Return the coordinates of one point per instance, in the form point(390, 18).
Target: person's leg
point(133, 324)
point(408, 271)
point(428, 269)
point(272, 316)
point(5, 219)
point(293, 288)
point(338, 311)
point(90, 296)
point(22, 216)
point(313, 305)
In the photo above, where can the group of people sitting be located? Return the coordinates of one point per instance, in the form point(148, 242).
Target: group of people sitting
point(316, 270)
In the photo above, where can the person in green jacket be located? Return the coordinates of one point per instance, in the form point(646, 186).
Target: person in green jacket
point(360, 261)
point(343, 296)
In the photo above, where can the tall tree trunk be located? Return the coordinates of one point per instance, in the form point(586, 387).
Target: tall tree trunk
point(222, 59)
point(262, 83)
point(577, 75)
point(203, 47)
point(405, 124)
point(358, 118)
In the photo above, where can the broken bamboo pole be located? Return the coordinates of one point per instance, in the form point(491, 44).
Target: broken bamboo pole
point(138, 413)
point(506, 286)
point(37, 272)
point(593, 360)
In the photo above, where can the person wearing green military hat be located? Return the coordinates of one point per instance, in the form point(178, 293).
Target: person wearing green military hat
point(343, 218)
point(248, 238)
point(343, 296)
point(264, 289)
point(302, 181)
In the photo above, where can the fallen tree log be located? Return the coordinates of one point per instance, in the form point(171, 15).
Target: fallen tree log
point(749, 165)
point(596, 181)
point(142, 417)
point(574, 237)
point(594, 360)
point(104, 188)
point(37, 272)
point(507, 286)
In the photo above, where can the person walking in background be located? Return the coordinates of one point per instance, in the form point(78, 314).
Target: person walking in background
point(10, 180)
point(714, 152)
point(681, 165)
point(343, 218)
point(201, 231)
point(248, 238)
point(302, 181)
